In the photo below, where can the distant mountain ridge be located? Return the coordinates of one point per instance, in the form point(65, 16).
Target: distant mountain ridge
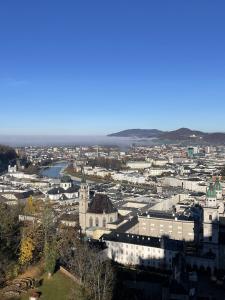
point(182, 134)
point(140, 133)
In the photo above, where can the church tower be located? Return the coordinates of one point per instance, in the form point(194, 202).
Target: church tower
point(218, 189)
point(211, 217)
point(211, 196)
point(83, 202)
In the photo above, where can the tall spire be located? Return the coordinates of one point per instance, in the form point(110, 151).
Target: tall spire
point(83, 178)
point(83, 203)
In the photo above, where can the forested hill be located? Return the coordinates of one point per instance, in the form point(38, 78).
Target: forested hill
point(179, 135)
point(140, 133)
point(7, 154)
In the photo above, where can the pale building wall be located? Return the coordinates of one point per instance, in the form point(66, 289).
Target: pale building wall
point(65, 185)
point(195, 186)
point(54, 197)
point(210, 225)
point(98, 219)
point(138, 164)
point(156, 172)
point(160, 162)
point(166, 204)
point(72, 195)
point(133, 254)
point(174, 229)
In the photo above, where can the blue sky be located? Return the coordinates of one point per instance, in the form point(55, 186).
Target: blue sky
point(96, 67)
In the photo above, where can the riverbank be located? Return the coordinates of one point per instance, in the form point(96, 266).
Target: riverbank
point(55, 170)
point(78, 176)
point(31, 169)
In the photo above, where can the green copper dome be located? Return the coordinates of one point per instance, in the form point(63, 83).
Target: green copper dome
point(217, 185)
point(211, 192)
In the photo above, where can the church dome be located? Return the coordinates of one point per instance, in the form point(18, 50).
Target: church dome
point(211, 192)
point(217, 185)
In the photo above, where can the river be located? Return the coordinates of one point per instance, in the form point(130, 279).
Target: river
point(54, 171)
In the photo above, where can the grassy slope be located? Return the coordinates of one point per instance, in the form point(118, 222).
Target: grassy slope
point(58, 288)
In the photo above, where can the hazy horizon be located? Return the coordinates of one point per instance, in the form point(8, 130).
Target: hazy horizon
point(70, 140)
point(73, 139)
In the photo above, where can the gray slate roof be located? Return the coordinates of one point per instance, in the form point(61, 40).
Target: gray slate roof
point(100, 204)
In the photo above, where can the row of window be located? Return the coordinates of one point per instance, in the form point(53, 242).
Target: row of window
point(91, 222)
point(153, 263)
point(115, 246)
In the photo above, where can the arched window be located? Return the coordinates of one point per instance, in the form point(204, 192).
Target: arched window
point(96, 222)
point(210, 217)
point(91, 222)
point(104, 222)
point(111, 220)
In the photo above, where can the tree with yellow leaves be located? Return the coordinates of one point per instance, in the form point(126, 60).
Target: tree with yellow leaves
point(30, 206)
point(26, 250)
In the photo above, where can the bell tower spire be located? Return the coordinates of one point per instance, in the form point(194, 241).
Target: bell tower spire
point(83, 202)
point(211, 199)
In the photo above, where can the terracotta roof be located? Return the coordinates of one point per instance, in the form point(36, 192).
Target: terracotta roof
point(100, 204)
